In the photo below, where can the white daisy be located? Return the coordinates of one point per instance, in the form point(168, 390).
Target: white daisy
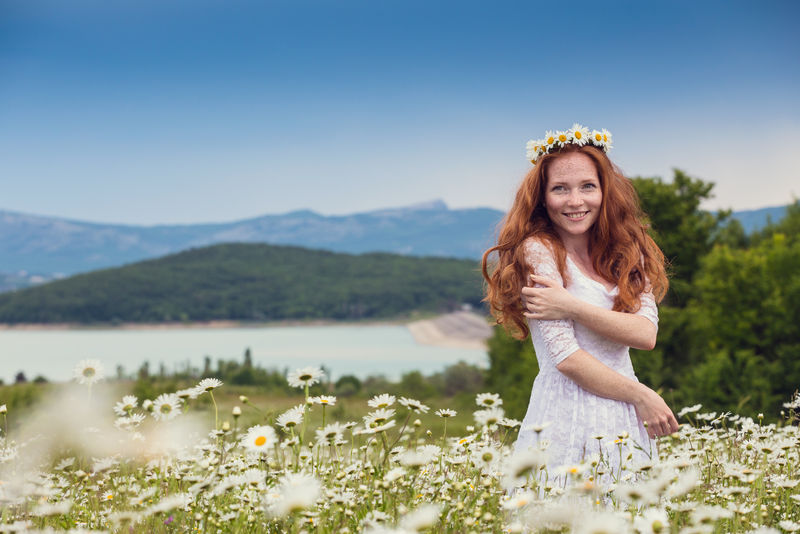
point(378, 417)
point(259, 438)
point(596, 137)
point(189, 393)
point(166, 407)
point(562, 138)
point(490, 416)
point(549, 140)
point(413, 405)
point(331, 433)
point(532, 150)
point(446, 413)
point(307, 376)
point(579, 135)
point(607, 142)
point(291, 418)
point(422, 518)
point(383, 400)
point(295, 492)
point(324, 400)
point(88, 371)
point(488, 399)
point(124, 407)
point(207, 384)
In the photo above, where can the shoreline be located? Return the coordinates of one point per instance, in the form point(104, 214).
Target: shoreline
point(462, 329)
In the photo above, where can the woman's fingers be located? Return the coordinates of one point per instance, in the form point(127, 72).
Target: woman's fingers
point(547, 282)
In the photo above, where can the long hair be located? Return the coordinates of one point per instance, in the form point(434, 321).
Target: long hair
point(621, 250)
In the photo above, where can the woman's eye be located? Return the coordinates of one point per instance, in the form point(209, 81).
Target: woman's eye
point(590, 186)
point(558, 188)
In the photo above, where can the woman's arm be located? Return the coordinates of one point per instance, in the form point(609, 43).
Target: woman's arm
point(553, 302)
point(593, 376)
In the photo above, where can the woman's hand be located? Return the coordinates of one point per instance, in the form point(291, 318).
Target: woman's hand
point(550, 302)
point(655, 414)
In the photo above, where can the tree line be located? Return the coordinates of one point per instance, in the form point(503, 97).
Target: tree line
point(251, 282)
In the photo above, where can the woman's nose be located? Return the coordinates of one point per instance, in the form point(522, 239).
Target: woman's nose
point(575, 199)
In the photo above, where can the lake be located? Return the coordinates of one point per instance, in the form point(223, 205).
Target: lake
point(360, 350)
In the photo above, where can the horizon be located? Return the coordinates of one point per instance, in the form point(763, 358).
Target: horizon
point(130, 114)
point(416, 205)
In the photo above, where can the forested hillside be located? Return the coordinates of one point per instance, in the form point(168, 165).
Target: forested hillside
point(729, 329)
point(251, 282)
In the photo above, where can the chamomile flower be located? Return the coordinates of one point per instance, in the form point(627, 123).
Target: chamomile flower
point(488, 399)
point(490, 416)
point(207, 384)
point(126, 406)
point(384, 400)
point(422, 518)
point(532, 150)
point(378, 417)
point(324, 400)
point(307, 376)
point(607, 139)
point(562, 138)
point(291, 417)
point(295, 492)
point(189, 393)
point(549, 140)
point(413, 405)
point(88, 371)
point(259, 438)
point(579, 135)
point(331, 433)
point(166, 406)
point(446, 413)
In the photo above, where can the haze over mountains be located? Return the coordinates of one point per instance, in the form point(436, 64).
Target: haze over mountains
point(37, 248)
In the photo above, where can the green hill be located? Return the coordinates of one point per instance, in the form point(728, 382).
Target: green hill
point(251, 282)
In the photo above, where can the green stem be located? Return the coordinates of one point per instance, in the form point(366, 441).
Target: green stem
point(216, 411)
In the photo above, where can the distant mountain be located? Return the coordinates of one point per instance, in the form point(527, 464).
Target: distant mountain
point(251, 282)
point(754, 220)
point(52, 245)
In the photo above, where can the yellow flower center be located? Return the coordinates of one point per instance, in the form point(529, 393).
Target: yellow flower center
point(598, 137)
point(562, 138)
point(605, 138)
point(166, 408)
point(573, 470)
point(551, 140)
point(109, 497)
point(260, 440)
point(89, 372)
point(577, 134)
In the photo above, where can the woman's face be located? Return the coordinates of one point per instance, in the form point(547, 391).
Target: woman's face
point(572, 195)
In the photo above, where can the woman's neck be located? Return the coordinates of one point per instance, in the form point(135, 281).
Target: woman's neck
point(575, 245)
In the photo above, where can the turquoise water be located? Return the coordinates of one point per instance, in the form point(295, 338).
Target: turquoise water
point(360, 350)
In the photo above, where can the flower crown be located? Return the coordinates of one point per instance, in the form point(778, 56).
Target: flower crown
point(577, 135)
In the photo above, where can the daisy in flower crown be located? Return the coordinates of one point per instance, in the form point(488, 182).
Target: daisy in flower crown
point(575, 269)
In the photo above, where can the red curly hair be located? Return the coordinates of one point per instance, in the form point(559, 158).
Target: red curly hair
point(621, 250)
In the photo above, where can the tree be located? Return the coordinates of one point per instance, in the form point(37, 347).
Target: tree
point(683, 231)
point(512, 368)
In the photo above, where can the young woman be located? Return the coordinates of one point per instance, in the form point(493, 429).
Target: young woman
point(575, 248)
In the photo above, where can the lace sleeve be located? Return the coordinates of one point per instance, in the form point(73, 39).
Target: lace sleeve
point(558, 335)
point(648, 308)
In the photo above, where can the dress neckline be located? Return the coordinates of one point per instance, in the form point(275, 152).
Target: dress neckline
point(599, 284)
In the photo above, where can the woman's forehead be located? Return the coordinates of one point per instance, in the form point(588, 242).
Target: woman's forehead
point(572, 165)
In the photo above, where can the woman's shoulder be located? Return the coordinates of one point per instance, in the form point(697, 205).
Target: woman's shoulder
point(538, 244)
point(538, 249)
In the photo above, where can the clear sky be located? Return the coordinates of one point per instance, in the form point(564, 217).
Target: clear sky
point(191, 110)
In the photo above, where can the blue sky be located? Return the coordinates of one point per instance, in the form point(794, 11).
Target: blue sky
point(186, 111)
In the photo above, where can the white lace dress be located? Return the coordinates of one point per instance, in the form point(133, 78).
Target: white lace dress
point(576, 416)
